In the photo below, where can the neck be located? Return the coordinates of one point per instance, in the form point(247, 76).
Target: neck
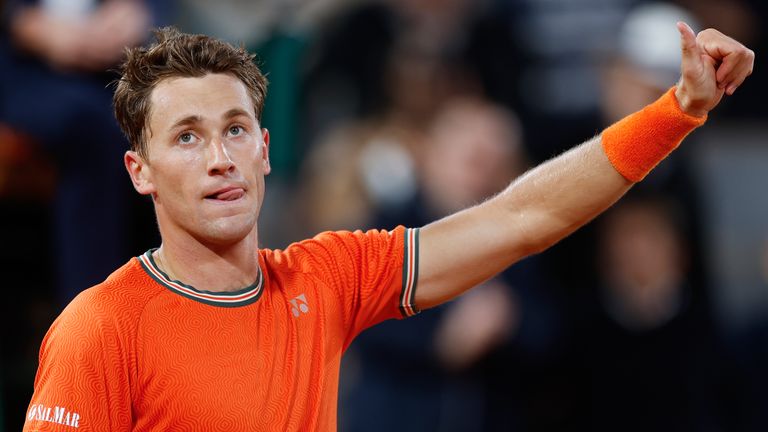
point(216, 268)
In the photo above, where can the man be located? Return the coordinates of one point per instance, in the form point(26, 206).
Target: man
point(208, 332)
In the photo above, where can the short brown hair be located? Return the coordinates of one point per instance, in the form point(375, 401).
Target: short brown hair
point(176, 54)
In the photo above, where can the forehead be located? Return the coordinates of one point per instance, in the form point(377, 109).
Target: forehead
point(207, 97)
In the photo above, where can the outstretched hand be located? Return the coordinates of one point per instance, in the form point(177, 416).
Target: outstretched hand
point(713, 64)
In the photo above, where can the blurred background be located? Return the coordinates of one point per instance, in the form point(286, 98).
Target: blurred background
point(388, 112)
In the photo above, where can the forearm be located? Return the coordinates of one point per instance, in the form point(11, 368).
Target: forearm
point(551, 201)
point(537, 210)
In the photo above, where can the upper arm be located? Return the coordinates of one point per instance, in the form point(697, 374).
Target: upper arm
point(83, 378)
point(372, 274)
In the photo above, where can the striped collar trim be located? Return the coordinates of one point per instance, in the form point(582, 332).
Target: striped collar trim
point(241, 297)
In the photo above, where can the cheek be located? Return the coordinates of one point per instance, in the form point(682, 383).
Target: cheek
point(251, 159)
point(169, 190)
point(177, 178)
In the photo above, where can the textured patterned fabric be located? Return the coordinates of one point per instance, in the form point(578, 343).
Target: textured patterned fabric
point(141, 352)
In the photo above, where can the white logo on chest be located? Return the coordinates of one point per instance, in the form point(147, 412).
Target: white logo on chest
point(299, 305)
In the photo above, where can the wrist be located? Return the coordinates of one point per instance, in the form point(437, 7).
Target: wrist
point(638, 142)
point(687, 105)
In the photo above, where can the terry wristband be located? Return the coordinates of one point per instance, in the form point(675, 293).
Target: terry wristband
point(638, 142)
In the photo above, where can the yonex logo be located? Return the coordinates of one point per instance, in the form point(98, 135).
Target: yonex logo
point(300, 305)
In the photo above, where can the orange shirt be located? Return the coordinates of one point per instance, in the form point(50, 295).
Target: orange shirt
point(141, 352)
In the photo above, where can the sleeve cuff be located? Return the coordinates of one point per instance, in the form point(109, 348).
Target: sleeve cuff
point(410, 272)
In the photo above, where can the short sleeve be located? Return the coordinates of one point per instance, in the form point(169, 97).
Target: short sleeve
point(82, 382)
point(373, 274)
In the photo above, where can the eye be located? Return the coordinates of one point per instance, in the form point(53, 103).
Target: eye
point(235, 130)
point(186, 138)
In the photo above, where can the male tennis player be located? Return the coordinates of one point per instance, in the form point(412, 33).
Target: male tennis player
point(209, 332)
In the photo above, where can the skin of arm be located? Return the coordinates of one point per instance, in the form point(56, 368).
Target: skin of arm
point(554, 199)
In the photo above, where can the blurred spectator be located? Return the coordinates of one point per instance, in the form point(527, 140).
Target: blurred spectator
point(344, 70)
point(642, 265)
point(437, 370)
point(55, 62)
point(561, 44)
point(652, 351)
point(361, 166)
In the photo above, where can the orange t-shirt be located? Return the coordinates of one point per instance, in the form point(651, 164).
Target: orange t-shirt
point(141, 352)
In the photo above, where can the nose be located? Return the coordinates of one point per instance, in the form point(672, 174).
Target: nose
point(219, 160)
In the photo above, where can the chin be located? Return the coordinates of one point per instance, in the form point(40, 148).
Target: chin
point(229, 230)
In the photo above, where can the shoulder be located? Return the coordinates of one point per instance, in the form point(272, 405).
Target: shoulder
point(111, 306)
point(330, 246)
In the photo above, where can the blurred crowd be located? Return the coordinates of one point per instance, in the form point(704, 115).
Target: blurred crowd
point(399, 112)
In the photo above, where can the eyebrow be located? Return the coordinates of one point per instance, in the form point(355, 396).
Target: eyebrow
point(192, 119)
point(234, 112)
point(188, 120)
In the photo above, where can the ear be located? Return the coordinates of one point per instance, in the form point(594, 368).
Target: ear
point(140, 172)
point(267, 168)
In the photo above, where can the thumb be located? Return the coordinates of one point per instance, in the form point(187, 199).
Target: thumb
point(690, 49)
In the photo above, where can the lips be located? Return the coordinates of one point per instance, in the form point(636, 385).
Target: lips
point(227, 194)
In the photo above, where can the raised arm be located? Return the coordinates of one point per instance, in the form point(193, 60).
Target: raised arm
point(554, 199)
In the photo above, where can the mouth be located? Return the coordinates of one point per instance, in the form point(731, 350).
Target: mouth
point(226, 194)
